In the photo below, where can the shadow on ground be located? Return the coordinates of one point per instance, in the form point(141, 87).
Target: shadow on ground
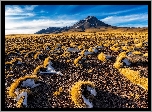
point(110, 100)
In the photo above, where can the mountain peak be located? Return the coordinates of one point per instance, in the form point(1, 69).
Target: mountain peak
point(90, 17)
point(82, 25)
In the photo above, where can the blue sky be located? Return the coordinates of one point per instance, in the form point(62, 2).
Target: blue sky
point(28, 19)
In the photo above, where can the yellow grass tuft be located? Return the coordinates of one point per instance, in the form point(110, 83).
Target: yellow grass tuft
point(125, 48)
point(136, 52)
point(115, 49)
point(76, 93)
point(139, 45)
point(14, 60)
point(37, 69)
point(36, 55)
point(102, 57)
point(28, 53)
point(118, 63)
point(16, 83)
point(80, 47)
point(68, 61)
point(20, 101)
point(146, 54)
point(66, 54)
point(90, 49)
point(58, 92)
point(91, 70)
point(76, 61)
point(46, 61)
point(134, 77)
point(82, 52)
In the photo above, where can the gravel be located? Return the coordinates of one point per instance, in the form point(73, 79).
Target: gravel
point(113, 89)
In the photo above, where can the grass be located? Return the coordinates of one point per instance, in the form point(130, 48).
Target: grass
point(17, 82)
point(102, 57)
point(134, 77)
point(76, 93)
point(58, 92)
point(76, 61)
point(46, 61)
point(146, 54)
point(113, 43)
point(36, 70)
point(118, 62)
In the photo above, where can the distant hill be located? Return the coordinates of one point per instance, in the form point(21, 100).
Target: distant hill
point(82, 25)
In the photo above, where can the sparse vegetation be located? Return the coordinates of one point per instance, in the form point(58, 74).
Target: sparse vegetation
point(16, 83)
point(76, 93)
point(99, 57)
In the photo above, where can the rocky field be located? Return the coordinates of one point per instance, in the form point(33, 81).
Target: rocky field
point(77, 70)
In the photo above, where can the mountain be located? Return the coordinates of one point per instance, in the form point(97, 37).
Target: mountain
point(89, 22)
point(82, 25)
point(52, 30)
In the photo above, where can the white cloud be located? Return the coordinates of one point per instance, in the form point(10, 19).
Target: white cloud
point(134, 25)
point(30, 7)
point(15, 10)
point(32, 26)
point(113, 20)
point(16, 20)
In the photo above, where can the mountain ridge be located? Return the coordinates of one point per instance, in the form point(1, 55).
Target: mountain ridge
point(80, 26)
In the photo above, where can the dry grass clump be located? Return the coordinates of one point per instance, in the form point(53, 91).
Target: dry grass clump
point(16, 83)
point(106, 44)
point(146, 54)
point(29, 53)
point(76, 93)
point(136, 52)
point(82, 52)
point(58, 92)
point(91, 70)
point(134, 77)
point(102, 57)
point(72, 44)
point(20, 101)
point(66, 54)
point(11, 52)
point(139, 45)
point(126, 48)
point(46, 61)
point(76, 61)
point(36, 55)
point(80, 47)
point(90, 49)
point(13, 61)
point(115, 49)
point(136, 41)
point(36, 70)
point(23, 52)
point(118, 63)
point(46, 45)
point(115, 45)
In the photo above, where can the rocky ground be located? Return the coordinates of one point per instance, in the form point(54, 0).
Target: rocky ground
point(113, 89)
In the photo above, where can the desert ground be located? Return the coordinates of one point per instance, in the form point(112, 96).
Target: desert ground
point(77, 70)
